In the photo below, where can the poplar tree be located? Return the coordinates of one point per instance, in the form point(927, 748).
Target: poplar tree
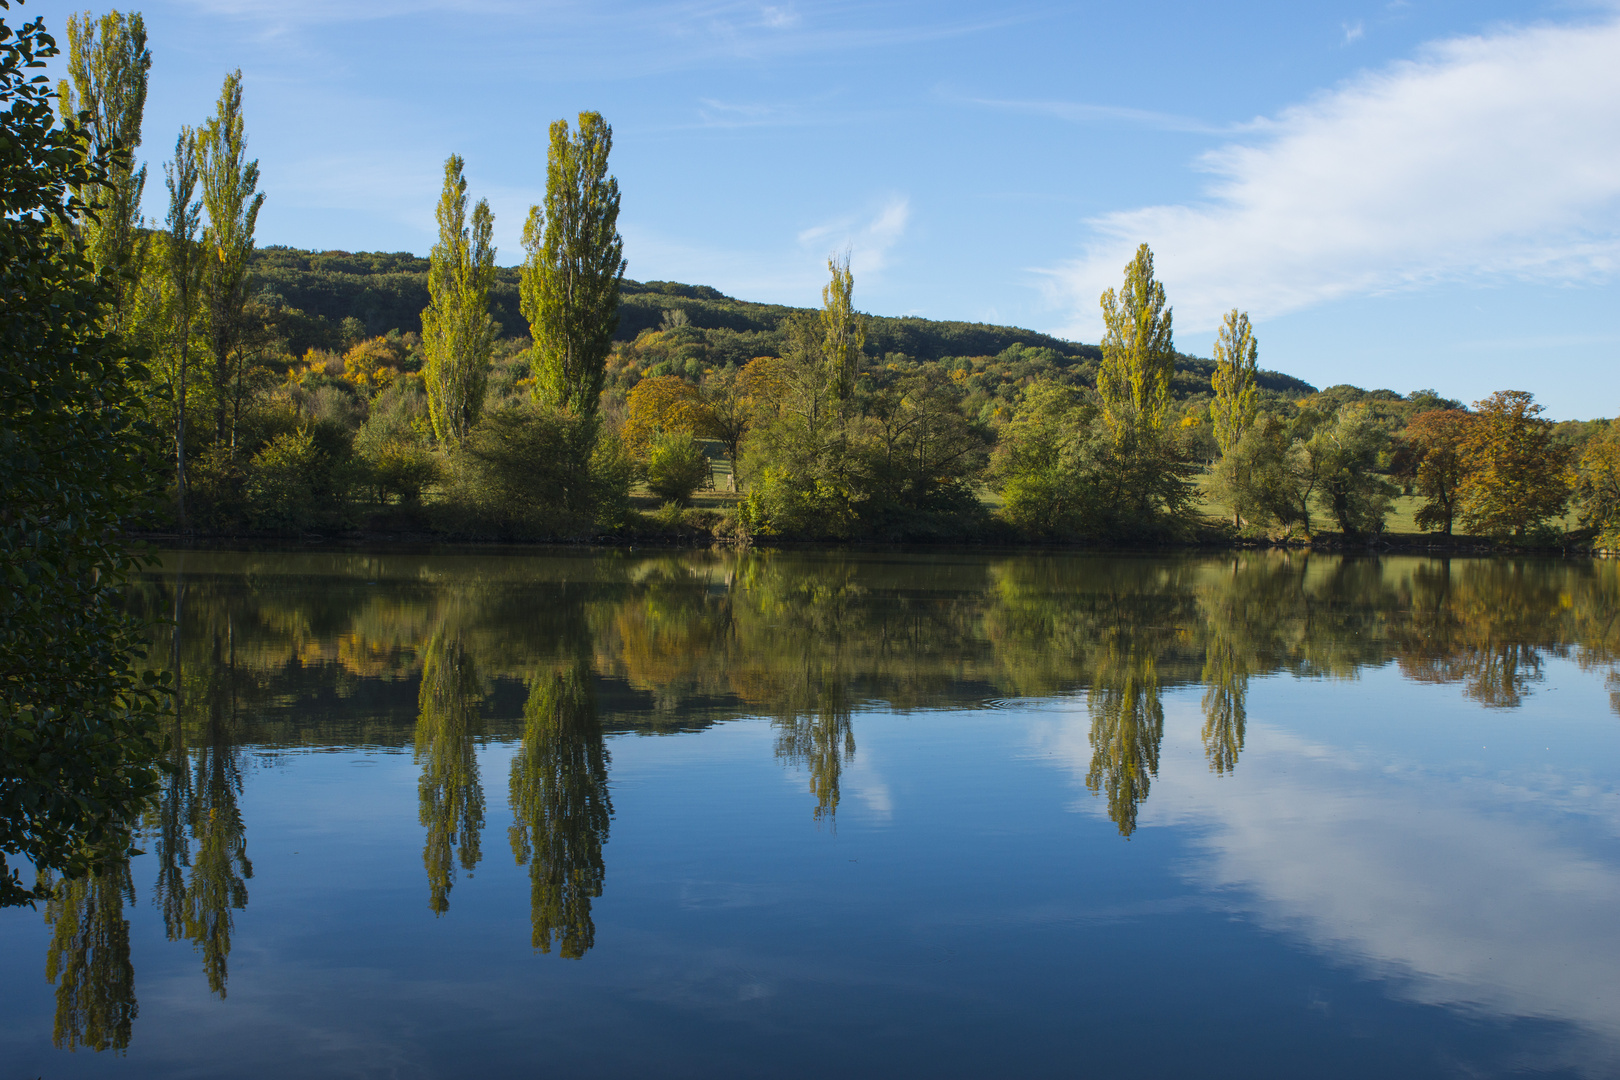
point(1236, 394)
point(457, 332)
point(231, 197)
point(843, 333)
point(1138, 355)
point(570, 281)
point(107, 65)
point(183, 265)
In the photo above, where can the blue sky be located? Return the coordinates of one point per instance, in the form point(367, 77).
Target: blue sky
point(1410, 194)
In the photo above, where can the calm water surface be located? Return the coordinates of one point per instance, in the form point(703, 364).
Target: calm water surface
point(864, 815)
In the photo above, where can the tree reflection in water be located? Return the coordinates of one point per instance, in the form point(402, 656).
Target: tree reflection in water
point(822, 740)
point(197, 825)
point(450, 793)
point(88, 960)
point(1127, 726)
point(275, 650)
point(561, 810)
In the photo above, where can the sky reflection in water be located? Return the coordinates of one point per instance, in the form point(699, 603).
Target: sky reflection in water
point(704, 814)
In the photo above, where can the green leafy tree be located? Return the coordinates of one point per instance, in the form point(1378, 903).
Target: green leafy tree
point(184, 266)
point(843, 332)
point(107, 66)
point(1268, 477)
point(570, 280)
point(922, 456)
point(804, 478)
point(1514, 473)
point(1047, 461)
point(676, 466)
point(1138, 352)
point(79, 724)
point(1343, 458)
point(457, 332)
point(1236, 401)
point(232, 200)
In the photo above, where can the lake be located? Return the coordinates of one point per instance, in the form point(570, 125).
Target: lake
point(785, 814)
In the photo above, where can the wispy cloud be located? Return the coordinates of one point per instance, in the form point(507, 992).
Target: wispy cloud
point(560, 39)
point(867, 239)
point(1354, 32)
point(1088, 113)
point(789, 269)
point(1489, 158)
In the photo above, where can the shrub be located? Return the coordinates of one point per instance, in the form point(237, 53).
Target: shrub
point(402, 468)
point(281, 482)
point(676, 467)
point(524, 471)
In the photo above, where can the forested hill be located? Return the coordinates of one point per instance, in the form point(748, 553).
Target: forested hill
point(317, 291)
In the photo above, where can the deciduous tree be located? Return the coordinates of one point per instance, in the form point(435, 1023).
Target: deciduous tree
point(1514, 474)
point(1435, 439)
point(457, 332)
point(107, 66)
point(1138, 352)
point(232, 200)
point(570, 280)
point(1343, 457)
point(1236, 403)
point(843, 332)
point(184, 266)
point(1597, 484)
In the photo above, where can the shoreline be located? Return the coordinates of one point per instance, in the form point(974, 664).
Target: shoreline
point(1400, 544)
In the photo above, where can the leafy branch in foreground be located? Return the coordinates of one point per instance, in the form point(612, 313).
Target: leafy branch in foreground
point(78, 723)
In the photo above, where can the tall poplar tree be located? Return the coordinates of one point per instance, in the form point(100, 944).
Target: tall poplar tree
point(107, 66)
point(1236, 394)
point(570, 282)
point(843, 333)
point(183, 265)
point(1138, 354)
point(231, 197)
point(457, 332)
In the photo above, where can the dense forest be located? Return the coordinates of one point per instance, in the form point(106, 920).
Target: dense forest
point(330, 300)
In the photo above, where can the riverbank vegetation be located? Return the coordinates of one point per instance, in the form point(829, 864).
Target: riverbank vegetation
point(336, 393)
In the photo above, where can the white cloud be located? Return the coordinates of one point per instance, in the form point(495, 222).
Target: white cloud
point(1490, 158)
point(1354, 32)
point(788, 270)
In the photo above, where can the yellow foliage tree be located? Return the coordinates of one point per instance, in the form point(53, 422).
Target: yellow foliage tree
point(662, 403)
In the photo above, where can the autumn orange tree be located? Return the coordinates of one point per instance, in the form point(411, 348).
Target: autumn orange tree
point(662, 403)
point(1513, 473)
point(1436, 439)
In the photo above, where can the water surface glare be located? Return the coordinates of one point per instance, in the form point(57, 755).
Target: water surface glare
point(801, 815)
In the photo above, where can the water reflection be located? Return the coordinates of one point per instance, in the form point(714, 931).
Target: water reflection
point(450, 791)
point(1127, 726)
point(561, 809)
point(196, 827)
point(88, 960)
point(550, 655)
